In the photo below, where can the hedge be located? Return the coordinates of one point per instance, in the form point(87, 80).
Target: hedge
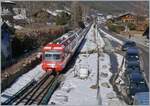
point(27, 41)
point(116, 28)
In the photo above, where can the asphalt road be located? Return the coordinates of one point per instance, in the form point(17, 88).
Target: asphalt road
point(144, 52)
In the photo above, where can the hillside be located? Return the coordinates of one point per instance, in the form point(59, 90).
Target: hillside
point(139, 7)
point(107, 7)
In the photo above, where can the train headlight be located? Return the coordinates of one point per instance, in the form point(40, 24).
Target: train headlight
point(52, 65)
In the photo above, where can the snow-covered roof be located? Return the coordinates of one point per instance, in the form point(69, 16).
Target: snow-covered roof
point(19, 16)
point(8, 1)
point(66, 8)
point(109, 16)
point(18, 27)
point(56, 12)
point(99, 14)
point(59, 11)
point(51, 12)
point(126, 14)
point(8, 23)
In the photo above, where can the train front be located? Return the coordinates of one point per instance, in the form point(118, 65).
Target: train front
point(52, 58)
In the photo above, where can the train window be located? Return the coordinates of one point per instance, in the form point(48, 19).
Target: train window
point(53, 56)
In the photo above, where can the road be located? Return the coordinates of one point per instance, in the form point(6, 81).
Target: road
point(144, 51)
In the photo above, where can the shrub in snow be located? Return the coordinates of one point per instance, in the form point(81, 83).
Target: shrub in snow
point(104, 75)
point(111, 95)
point(105, 84)
point(104, 66)
point(83, 73)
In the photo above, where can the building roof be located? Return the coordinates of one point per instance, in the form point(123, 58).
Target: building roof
point(127, 13)
point(19, 16)
point(121, 15)
point(8, 2)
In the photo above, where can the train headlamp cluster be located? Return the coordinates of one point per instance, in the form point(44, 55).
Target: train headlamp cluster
point(52, 65)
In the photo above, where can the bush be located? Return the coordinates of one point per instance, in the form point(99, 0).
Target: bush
point(131, 26)
point(116, 28)
point(17, 48)
point(62, 19)
point(81, 24)
point(31, 40)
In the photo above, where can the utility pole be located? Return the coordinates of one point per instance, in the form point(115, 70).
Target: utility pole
point(98, 62)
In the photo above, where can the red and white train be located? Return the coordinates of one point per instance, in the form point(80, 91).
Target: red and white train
point(57, 54)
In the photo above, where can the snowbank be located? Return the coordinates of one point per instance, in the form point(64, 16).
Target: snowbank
point(111, 37)
point(100, 42)
point(35, 73)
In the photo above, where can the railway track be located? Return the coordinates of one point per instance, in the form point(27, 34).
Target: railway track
point(38, 93)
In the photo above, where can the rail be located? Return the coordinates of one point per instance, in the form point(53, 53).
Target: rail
point(35, 92)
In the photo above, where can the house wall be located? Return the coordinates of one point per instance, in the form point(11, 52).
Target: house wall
point(5, 48)
point(129, 18)
point(7, 16)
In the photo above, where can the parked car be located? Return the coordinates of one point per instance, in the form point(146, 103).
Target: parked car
point(141, 98)
point(132, 56)
point(132, 69)
point(128, 44)
point(135, 83)
point(132, 64)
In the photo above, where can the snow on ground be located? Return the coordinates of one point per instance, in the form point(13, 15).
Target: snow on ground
point(76, 91)
point(120, 59)
point(100, 42)
point(90, 45)
point(82, 92)
point(111, 37)
point(23, 80)
point(109, 97)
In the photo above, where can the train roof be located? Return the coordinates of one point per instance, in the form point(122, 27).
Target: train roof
point(53, 46)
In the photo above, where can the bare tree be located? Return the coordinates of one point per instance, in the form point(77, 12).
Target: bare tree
point(76, 13)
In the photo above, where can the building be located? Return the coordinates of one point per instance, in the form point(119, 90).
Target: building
point(7, 12)
point(20, 16)
point(123, 18)
point(7, 30)
point(127, 18)
point(43, 16)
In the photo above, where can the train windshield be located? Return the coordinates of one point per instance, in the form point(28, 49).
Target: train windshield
point(52, 56)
